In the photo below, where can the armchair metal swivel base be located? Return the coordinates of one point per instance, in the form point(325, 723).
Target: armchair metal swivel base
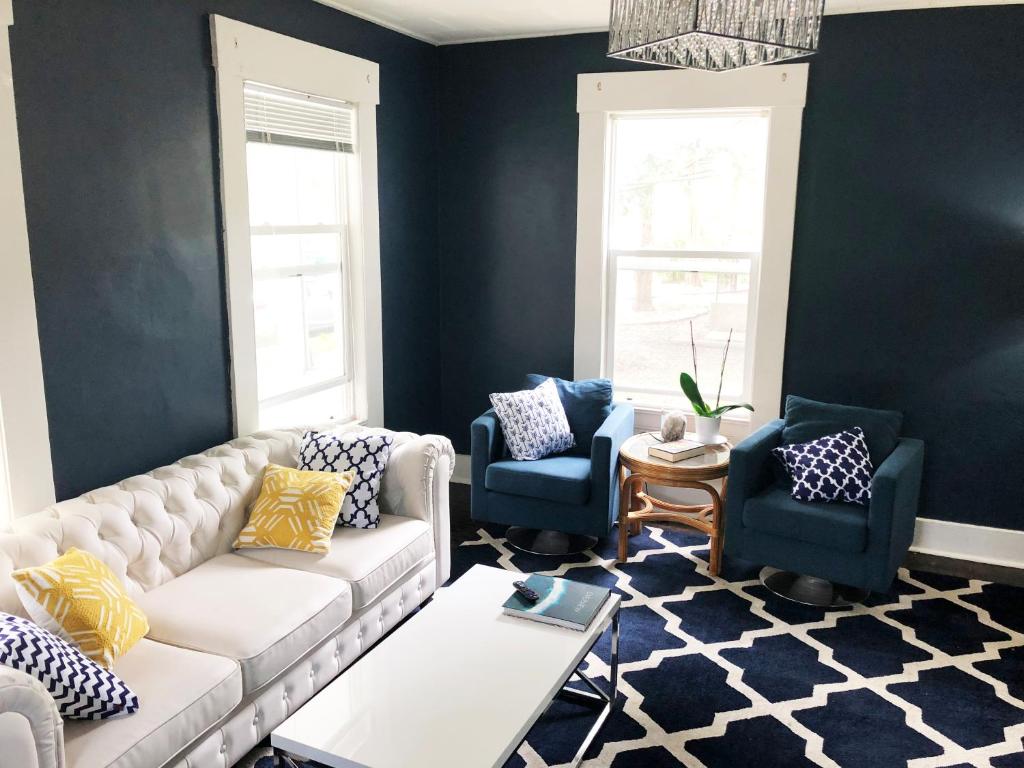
point(539, 541)
point(811, 590)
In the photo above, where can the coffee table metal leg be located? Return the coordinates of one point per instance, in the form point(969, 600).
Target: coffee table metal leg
point(607, 698)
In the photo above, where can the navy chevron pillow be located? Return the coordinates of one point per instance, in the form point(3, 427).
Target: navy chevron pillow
point(82, 688)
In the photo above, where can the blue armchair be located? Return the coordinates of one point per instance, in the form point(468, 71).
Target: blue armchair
point(826, 554)
point(555, 505)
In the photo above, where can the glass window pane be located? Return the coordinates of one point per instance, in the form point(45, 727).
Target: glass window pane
point(293, 251)
point(299, 332)
point(333, 403)
point(291, 186)
point(653, 312)
point(688, 182)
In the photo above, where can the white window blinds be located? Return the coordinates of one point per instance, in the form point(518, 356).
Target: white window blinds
point(279, 116)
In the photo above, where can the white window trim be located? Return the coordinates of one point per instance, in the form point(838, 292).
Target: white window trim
point(781, 91)
point(26, 470)
point(242, 52)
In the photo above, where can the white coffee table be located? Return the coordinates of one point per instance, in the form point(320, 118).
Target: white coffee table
point(458, 685)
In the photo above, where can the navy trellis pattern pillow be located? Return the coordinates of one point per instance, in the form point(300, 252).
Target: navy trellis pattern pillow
point(533, 422)
point(832, 468)
point(82, 689)
point(364, 452)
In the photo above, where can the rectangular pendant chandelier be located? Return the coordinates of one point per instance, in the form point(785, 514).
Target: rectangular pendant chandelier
point(714, 35)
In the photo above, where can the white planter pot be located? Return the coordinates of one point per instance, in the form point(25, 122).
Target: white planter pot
point(708, 428)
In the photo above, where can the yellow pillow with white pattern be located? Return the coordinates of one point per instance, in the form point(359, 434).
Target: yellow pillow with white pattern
point(296, 509)
point(79, 599)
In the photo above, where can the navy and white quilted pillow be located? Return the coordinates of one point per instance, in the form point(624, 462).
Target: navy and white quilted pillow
point(832, 468)
point(364, 452)
point(533, 422)
point(82, 688)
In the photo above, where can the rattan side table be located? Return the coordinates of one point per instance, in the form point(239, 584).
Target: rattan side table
point(637, 506)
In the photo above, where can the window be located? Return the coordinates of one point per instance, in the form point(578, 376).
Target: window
point(299, 189)
point(300, 155)
point(686, 202)
point(684, 238)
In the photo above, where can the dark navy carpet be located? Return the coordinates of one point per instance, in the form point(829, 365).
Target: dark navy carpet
point(721, 673)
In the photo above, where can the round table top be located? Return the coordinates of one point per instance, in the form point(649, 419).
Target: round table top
point(713, 463)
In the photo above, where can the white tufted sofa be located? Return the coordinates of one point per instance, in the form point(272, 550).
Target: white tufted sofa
point(238, 640)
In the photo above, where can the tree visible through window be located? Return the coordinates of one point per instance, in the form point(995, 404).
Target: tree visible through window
point(684, 237)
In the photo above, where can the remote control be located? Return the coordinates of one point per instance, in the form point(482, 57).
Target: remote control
point(525, 591)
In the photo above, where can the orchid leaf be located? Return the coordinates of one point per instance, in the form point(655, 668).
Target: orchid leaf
point(692, 392)
point(726, 408)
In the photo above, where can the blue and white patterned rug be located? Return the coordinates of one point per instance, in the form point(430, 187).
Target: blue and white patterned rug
point(720, 673)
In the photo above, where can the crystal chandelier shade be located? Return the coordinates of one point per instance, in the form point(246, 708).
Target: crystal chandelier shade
point(714, 34)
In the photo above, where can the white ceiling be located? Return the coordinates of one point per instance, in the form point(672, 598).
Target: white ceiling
point(464, 21)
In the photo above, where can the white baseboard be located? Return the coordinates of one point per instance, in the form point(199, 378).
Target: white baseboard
point(462, 469)
point(962, 541)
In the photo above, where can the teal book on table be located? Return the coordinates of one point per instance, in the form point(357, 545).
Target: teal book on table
point(562, 602)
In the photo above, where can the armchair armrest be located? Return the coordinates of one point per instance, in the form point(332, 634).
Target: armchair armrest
point(485, 439)
point(895, 491)
point(749, 473)
point(31, 729)
point(415, 484)
point(604, 453)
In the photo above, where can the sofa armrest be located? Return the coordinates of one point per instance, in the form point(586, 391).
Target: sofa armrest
point(895, 491)
point(749, 473)
point(604, 454)
point(415, 484)
point(31, 728)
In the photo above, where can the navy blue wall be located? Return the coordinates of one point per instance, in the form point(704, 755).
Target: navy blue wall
point(118, 125)
point(508, 215)
point(909, 251)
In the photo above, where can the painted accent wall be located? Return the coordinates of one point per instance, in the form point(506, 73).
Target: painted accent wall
point(119, 142)
point(909, 244)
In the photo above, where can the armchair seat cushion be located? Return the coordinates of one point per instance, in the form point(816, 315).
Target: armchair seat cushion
point(838, 526)
point(564, 479)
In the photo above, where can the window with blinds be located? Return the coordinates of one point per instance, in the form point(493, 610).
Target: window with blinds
point(279, 116)
point(300, 152)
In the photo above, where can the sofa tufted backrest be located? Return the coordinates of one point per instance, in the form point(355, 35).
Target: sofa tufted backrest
point(152, 528)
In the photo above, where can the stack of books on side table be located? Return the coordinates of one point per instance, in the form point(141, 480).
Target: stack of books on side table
point(677, 450)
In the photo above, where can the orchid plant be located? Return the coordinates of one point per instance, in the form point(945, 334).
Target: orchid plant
point(689, 386)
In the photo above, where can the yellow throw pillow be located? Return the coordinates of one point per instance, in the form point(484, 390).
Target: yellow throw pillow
point(296, 509)
point(78, 598)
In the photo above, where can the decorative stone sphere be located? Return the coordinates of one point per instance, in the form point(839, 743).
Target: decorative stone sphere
point(673, 425)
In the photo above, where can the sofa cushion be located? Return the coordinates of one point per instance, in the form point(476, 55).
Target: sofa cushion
point(296, 509)
point(564, 479)
point(533, 422)
point(837, 525)
point(366, 454)
point(264, 616)
point(183, 694)
point(371, 560)
point(808, 420)
point(79, 599)
point(587, 403)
